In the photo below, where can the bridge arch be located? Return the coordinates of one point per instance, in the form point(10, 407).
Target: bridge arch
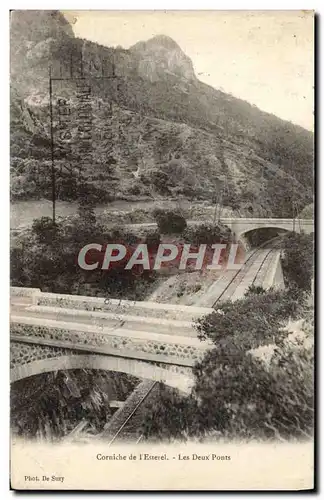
point(258, 237)
point(241, 226)
point(141, 369)
point(245, 230)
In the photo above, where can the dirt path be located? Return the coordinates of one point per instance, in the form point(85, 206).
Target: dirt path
point(23, 213)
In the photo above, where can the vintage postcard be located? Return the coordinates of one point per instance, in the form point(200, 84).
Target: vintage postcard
point(162, 250)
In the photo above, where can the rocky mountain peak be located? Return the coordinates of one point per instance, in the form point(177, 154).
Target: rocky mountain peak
point(38, 25)
point(160, 56)
point(37, 39)
point(156, 41)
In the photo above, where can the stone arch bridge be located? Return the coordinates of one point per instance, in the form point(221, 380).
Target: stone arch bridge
point(241, 226)
point(51, 332)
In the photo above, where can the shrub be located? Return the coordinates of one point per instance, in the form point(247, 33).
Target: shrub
point(169, 221)
point(55, 267)
point(307, 212)
point(207, 233)
point(238, 396)
point(241, 398)
point(254, 320)
point(45, 229)
point(254, 290)
point(153, 239)
point(168, 415)
point(298, 260)
point(161, 181)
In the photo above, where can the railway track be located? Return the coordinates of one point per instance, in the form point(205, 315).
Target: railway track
point(239, 276)
point(121, 427)
point(237, 279)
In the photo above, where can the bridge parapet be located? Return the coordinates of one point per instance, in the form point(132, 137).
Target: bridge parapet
point(102, 304)
point(170, 349)
point(266, 220)
point(240, 226)
point(17, 292)
point(45, 341)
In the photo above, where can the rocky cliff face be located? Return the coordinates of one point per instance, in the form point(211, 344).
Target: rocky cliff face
point(32, 34)
point(37, 38)
point(37, 25)
point(161, 56)
point(169, 134)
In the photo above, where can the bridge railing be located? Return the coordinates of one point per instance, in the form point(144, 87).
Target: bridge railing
point(265, 220)
point(102, 304)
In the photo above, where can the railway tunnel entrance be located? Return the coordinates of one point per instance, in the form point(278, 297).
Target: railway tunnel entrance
point(259, 237)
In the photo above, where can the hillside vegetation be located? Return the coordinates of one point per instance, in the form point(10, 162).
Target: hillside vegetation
point(156, 129)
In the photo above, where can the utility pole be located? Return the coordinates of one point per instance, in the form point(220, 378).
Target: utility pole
point(215, 212)
point(297, 209)
point(52, 144)
point(220, 206)
point(216, 209)
point(294, 222)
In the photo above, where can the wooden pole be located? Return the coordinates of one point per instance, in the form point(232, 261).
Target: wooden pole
point(52, 145)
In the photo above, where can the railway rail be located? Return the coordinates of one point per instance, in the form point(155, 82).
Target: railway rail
point(239, 276)
point(122, 425)
point(241, 273)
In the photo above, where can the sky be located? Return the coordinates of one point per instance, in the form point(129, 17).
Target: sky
point(263, 57)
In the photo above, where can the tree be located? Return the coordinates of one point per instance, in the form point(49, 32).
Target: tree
point(160, 181)
point(47, 258)
point(45, 230)
point(169, 221)
point(17, 266)
point(241, 398)
point(153, 239)
point(298, 260)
